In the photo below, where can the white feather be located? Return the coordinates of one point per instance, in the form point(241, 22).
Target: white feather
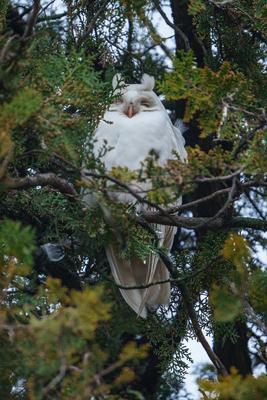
point(132, 138)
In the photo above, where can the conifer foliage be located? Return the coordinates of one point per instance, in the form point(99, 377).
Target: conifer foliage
point(65, 331)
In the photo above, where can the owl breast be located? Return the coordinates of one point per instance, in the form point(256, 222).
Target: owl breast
point(133, 138)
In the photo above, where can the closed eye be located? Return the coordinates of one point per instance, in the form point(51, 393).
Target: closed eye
point(145, 104)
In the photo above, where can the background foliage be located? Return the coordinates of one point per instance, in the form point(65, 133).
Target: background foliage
point(65, 331)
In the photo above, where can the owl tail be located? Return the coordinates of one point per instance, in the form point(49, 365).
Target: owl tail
point(136, 272)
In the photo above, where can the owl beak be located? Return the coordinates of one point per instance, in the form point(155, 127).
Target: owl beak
point(130, 111)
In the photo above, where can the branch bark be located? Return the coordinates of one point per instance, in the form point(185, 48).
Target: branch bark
point(32, 19)
point(162, 216)
point(193, 317)
point(92, 23)
point(195, 222)
point(48, 179)
point(173, 26)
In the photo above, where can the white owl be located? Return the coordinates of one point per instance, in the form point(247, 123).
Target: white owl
point(134, 125)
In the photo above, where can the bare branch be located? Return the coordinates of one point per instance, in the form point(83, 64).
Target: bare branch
point(32, 19)
point(52, 17)
point(195, 222)
point(173, 26)
point(226, 205)
point(218, 178)
point(254, 205)
point(252, 316)
point(128, 189)
point(5, 48)
point(57, 379)
point(193, 317)
point(190, 276)
point(48, 179)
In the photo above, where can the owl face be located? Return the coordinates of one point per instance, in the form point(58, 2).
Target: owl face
point(135, 99)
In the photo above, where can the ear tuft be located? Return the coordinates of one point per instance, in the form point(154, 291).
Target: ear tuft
point(148, 82)
point(117, 81)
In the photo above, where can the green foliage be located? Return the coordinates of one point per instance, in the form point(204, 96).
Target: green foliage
point(65, 331)
point(234, 387)
point(227, 298)
point(206, 91)
point(257, 289)
point(227, 305)
point(3, 11)
point(16, 247)
point(196, 6)
point(54, 333)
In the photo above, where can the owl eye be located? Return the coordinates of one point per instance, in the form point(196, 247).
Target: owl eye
point(145, 103)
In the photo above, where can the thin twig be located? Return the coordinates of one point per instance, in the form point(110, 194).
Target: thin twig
point(92, 23)
point(193, 317)
point(185, 278)
point(226, 205)
point(254, 205)
point(244, 142)
point(52, 17)
point(128, 189)
point(254, 318)
point(57, 379)
point(173, 26)
point(218, 178)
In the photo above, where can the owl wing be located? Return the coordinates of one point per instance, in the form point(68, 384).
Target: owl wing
point(180, 142)
point(135, 272)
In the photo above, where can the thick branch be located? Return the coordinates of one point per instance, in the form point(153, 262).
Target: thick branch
point(195, 222)
point(48, 179)
point(52, 17)
point(32, 19)
point(160, 217)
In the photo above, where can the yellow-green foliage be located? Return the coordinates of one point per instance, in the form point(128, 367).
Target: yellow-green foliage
point(3, 10)
point(234, 387)
point(54, 333)
point(257, 291)
point(227, 298)
point(205, 92)
point(196, 6)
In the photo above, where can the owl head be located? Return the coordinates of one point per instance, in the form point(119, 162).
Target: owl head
point(135, 98)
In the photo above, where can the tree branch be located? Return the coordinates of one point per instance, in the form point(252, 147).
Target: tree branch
point(52, 17)
point(48, 179)
point(173, 26)
point(224, 208)
point(195, 222)
point(91, 25)
point(172, 280)
point(252, 316)
point(193, 317)
point(32, 19)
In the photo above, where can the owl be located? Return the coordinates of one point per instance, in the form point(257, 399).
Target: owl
point(135, 124)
